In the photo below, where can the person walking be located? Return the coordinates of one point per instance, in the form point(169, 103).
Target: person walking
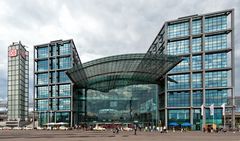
point(135, 129)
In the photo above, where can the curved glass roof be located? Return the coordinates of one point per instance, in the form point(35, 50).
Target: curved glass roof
point(117, 71)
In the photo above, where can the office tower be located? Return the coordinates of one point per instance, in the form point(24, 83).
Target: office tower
point(206, 74)
point(53, 100)
point(18, 84)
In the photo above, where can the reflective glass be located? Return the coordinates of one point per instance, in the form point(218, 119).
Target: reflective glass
point(216, 97)
point(42, 52)
point(197, 98)
point(42, 78)
point(215, 42)
point(178, 47)
point(196, 26)
point(216, 79)
point(197, 80)
point(63, 77)
point(197, 62)
point(65, 62)
point(42, 65)
point(183, 66)
point(218, 60)
point(196, 44)
point(65, 90)
point(42, 92)
point(178, 30)
point(178, 99)
point(182, 82)
point(178, 116)
point(65, 49)
point(215, 23)
point(64, 104)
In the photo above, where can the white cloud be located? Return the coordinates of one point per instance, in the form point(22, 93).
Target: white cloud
point(99, 28)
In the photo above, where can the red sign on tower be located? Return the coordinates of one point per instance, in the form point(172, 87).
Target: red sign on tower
point(12, 53)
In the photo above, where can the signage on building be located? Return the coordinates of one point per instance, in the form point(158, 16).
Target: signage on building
point(12, 53)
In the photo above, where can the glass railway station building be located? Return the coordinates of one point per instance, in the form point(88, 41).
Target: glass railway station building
point(189, 64)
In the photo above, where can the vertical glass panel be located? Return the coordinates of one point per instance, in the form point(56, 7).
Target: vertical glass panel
point(217, 117)
point(65, 49)
point(65, 90)
point(216, 97)
point(42, 65)
point(63, 77)
point(197, 62)
point(215, 23)
point(178, 30)
point(54, 104)
point(126, 104)
point(42, 78)
point(178, 116)
point(64, 104)
point(196, 44)
point(216, 79)
point(65, 63)
point(42, 52)
point(215, 42)
point(42, 105)
point(196, 26)
point(178, 99)
point(197, 80)
point(42, 92)
point(63, 117)
point(197, 98)
point(178, 47)
point(182, 82)
point(218, 60)
point(183, 66)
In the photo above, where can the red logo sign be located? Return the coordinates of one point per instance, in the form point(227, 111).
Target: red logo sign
point(12, 53)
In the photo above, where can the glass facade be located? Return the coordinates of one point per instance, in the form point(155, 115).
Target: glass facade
point(218, 60)
point(215, 23)
point(183, 66)
point(178, 30)
point(178, 99)
point(179, 116)
point(124, 105)
point(204, 43)
point(203, 77)
point(178, 47)
point(53, 88)
point(215, 42)
point(182, 82)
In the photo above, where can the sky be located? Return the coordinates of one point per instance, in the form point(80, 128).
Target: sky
point(99, 28)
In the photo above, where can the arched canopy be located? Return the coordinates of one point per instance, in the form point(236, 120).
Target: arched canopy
point(117, 71)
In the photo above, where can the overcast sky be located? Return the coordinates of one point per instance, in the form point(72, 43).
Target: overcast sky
point(98, 27)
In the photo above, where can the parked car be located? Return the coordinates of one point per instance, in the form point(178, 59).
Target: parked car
point(27, 128)
point(7, 128)
point(63, 128)
point(17, 128)
point(40, 128)
point(127, 129)
point(99, 128)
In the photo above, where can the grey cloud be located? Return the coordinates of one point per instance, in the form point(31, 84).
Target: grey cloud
point(99, 28)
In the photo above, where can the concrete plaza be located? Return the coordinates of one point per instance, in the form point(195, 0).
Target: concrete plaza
point(77, 135)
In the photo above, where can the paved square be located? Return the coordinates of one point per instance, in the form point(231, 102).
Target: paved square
point(77, 135)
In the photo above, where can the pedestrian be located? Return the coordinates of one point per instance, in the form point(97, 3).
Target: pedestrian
point(135, 129)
